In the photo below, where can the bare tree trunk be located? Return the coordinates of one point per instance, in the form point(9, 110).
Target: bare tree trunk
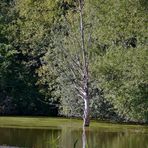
point(79, 67)
point(86, 118)
point(85, 68)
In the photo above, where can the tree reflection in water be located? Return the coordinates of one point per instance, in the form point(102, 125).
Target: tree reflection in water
point(84, 140)
point(78, 137)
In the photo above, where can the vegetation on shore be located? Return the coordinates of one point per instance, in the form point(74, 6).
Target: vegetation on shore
point(45, 123)
point(34, 78)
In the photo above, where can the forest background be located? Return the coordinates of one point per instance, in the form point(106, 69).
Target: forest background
point(32, 71)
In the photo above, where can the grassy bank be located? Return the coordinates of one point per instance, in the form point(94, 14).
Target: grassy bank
point(45, 123)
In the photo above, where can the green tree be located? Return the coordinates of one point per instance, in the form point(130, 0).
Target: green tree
point(25, 41)
point(121, 56)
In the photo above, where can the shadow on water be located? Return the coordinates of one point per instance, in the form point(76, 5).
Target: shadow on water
point(72, 138)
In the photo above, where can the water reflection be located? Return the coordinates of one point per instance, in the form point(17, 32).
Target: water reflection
point(66, 137)
point(113, 139)
point(29, 138)
point(84, 140)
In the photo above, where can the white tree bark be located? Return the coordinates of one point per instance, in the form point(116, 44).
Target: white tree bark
point(85, 68)
point(78, 64)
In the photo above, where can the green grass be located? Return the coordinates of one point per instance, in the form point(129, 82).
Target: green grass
point(45, 123)
point(37, 122)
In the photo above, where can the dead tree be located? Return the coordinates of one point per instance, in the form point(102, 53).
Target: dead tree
point(78, 64)
point(85, 73)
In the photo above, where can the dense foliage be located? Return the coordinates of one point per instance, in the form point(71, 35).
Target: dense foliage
point(33, 73)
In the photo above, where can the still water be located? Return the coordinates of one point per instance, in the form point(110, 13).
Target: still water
point(68, 137)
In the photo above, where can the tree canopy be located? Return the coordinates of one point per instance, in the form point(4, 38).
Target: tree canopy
point(33, 74)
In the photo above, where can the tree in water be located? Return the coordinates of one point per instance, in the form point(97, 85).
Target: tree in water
point(73, 60)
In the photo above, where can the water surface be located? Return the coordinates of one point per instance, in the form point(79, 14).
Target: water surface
point(70, 135)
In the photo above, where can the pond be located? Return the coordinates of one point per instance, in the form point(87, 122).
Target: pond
point(64, 133)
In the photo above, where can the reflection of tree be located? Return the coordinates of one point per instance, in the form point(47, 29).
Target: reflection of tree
point(104, 138)
point(36, 138)
point(130, 140)
point(84, 140)
point(70, 136)
point(101, 138)
point(97, 138)
point(88, 138)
